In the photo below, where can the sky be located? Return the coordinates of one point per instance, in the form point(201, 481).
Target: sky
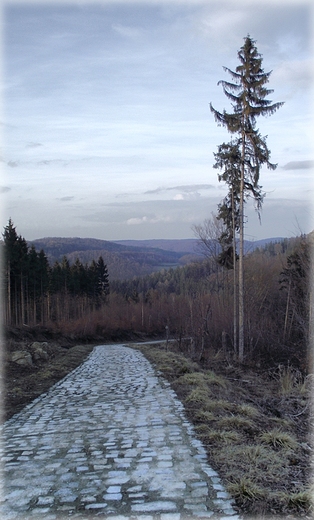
point(106, 126)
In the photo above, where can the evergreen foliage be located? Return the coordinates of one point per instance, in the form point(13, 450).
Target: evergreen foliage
point(242, 158)
point(33, 290)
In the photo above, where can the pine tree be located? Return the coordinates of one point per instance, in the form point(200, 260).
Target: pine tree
point(15, 265)
point(247, 93)
point(103, 278)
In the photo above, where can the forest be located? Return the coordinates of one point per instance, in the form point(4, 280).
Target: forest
point(194, 301)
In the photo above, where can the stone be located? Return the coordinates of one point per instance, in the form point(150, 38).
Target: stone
point(154, 506)
point(22, 357)
point(40, 354)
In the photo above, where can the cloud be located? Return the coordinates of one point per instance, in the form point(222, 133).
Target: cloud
point(188, 188)
point(219, 22)
point(33, 145)
point(4, 189)
point(193, 187)
point(137, 221)
point(48, 162)
point(156, 191)
point(148, 220)
point(126, 31)
point(298, 165)
point(296, 74)
point(13, 164)
point(66, 199)
point(187, 196)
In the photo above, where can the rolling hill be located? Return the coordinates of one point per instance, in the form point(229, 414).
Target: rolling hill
point(128, 258)
point(123, 261)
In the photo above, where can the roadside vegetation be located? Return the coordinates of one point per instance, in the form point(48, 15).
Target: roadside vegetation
point(255, 425)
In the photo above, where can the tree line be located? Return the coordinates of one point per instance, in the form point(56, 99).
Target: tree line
point(194, 301)
point(35, 292)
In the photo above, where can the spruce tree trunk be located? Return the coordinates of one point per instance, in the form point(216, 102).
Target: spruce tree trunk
point(241, 255)
point(235, 288)
point(9, 316)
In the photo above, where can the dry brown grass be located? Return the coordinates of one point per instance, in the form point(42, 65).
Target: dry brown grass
point(253, 426)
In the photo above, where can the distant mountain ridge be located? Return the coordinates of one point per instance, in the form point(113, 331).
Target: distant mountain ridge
point(123, 261)
point(128, 258)
point(179, 245)
point(189, 245)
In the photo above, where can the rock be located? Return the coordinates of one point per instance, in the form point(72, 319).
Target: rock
point(39, 353)
point(36, 345)
point(22, 357)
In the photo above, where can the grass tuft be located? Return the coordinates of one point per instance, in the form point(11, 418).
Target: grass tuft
point(205, 416)
point(248, 410)
point(300, 501)
point(236, 422)
point(292, 381)
point(194, 378)
point(214, 379)
point(245, 490)
point(279, 439)
point(207, 379)
point(198, 396)
point(213, 436)
point(220, 406)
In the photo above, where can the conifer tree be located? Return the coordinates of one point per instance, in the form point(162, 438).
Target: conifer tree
point(103, 278)
point(15, 264)
point(247, 93)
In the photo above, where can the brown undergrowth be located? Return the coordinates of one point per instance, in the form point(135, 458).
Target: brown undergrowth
point(254, 425)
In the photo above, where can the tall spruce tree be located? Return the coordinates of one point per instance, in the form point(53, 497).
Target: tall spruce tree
point(15, 265)
point(247, 93)
point(228, 159)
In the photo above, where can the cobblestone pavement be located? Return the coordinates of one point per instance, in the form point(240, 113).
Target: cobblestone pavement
point(110, 440)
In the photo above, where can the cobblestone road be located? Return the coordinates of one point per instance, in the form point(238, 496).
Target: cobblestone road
point(110, 440)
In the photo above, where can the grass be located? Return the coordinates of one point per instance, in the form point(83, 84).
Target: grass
point(193, 379)
point(198, 397)
point(236, 422)
point(206, 379)
point(300, 500)
point(245, 490)
point(211, 436)
point(279, 439)
point(291, 381)
point(219, 406)
point(253, 426)
point(215, 379)
point(248, 410)
point(204, 416)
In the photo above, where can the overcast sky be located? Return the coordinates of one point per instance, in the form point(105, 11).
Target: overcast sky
point(106, 124)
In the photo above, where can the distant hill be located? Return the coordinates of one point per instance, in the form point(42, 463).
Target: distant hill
point(123, 261)
point(184, 245)
point(128, 258)
point(190, 245)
